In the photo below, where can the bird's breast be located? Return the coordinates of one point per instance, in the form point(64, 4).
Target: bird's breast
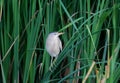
point(53, 46)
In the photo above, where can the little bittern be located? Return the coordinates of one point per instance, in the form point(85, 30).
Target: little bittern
point(53, 44)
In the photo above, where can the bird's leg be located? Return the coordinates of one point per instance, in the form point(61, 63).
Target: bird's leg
point(55, 61)
point(51, 64)
point(51, 61)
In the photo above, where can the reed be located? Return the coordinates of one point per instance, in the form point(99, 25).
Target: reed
point(91, 41)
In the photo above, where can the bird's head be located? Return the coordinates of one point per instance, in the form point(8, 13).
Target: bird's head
point(56, 33)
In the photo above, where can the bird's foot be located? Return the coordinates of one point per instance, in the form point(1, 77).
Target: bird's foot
point(52, 66)
point(50, 69)
point(54, 63)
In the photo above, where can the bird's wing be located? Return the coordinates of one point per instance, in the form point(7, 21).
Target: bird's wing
point(60, 44)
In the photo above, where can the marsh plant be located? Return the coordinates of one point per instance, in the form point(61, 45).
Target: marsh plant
point(91, 41)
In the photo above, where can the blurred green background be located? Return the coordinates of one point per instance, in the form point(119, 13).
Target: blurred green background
point(91, 41)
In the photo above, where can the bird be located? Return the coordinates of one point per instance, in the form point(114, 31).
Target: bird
point(53, 44)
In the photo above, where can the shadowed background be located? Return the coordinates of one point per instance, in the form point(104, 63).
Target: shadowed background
point(91, 41)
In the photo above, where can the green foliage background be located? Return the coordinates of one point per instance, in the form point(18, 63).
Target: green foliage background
point(91, 41)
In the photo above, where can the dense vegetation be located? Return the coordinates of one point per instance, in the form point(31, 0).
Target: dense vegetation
point(91, 41)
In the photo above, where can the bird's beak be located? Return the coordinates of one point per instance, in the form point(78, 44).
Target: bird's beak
point(60, 33)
